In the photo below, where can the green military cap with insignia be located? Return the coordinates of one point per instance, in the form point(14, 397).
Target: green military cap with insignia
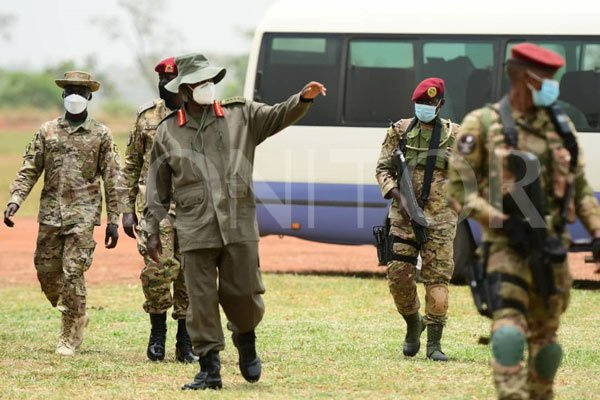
point(194, 68)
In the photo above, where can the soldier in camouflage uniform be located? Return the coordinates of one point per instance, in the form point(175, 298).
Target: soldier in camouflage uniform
point(73, 151)
point(156, 277)
point(480, 178)
point(436, 253)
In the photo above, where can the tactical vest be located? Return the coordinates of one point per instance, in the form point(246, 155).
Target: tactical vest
point(417, 145)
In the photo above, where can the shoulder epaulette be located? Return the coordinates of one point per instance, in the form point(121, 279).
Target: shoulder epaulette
point(169, 115)
point(146, 106)
point(401, 126)
point(233, 100)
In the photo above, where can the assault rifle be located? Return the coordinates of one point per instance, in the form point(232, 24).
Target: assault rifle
point(405, 186)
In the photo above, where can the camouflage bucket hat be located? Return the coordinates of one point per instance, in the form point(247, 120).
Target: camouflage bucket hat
point(78, 78)
point(194, 68)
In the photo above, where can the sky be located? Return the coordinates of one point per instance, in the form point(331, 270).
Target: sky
point(46, 32)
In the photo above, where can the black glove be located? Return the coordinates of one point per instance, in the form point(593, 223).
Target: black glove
point(112, 236)
point(154, 247)
point(596, 249)
point(11, 209)
point(130, 221)
point(518, 232)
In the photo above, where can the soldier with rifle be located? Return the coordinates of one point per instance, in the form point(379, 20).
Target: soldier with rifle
point(519, 171)
point(412, 170)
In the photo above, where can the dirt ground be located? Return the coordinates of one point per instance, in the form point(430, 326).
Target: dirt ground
point(123, 264)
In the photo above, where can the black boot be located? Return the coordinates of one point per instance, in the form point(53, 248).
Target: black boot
point(209, 376)
point(434, 346)
point(412, 340)
point(183, 347)
point(250, 365)
point(158, 337)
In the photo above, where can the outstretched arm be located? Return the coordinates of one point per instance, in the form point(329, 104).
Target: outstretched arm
point(267, 120)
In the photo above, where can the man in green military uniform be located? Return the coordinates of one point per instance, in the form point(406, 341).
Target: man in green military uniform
point(156, 277)
point(484, 181)
point(204, 154)
point(73, 151)
point(426, 140)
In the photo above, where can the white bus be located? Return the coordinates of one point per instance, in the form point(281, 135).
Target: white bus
point(316, 179)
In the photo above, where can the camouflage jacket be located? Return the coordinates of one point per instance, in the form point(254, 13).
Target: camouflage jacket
point(479, 164)
point(437, 208)
point(73, 160)
point(137, 156)
point(209, 170)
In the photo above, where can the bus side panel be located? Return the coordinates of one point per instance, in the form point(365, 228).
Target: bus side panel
point(332, 213)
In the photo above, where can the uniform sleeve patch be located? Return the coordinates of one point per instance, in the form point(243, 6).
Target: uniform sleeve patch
point(466, 144)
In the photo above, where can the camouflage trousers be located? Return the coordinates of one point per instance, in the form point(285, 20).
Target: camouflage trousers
point(436, 268)
point(524, 310)
point(62, 255)
point(157, 278)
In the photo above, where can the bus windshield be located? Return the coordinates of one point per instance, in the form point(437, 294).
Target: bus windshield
point(370, 78)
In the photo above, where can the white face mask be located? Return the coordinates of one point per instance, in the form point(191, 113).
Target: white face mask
point(75, 104)
point(204, 94)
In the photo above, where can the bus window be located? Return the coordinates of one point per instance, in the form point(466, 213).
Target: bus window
point(591, 57)
point(466, 67)
point(288, 62)
point(579, 80)
point(379, 80)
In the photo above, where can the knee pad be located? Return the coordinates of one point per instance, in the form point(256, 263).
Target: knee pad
point(436, 299)
point(508, 345)
point(547, 361)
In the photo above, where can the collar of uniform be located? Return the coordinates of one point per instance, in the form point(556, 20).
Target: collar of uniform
point(190, 121)
point(64, 123)
point(425, 131)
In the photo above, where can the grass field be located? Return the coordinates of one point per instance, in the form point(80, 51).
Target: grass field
point(322, 337)
point(12, 147)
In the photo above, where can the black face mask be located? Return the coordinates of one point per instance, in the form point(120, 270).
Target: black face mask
point(164, 93)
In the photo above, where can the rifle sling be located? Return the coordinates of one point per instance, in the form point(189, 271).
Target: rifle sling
point(432, 154)
point(410, 127)
point(509, 129)
point(559, 120)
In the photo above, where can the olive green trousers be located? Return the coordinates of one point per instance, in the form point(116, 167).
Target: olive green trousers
point(229, 276)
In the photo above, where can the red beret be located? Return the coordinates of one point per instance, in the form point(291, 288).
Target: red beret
point(428, 89)
point(166, 66)
point(533, 54)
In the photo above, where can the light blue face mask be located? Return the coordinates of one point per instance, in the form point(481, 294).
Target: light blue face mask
point(548, 93)
point(425, 113)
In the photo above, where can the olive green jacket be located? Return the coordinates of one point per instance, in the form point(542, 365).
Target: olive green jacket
point(210, 170)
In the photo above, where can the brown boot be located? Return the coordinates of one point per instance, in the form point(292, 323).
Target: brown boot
point(66, 344)
point(80, 324)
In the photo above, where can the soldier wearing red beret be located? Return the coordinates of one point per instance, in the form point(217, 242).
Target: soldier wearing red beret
point(156, 278)
point(425, 141)
point(525, 305)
